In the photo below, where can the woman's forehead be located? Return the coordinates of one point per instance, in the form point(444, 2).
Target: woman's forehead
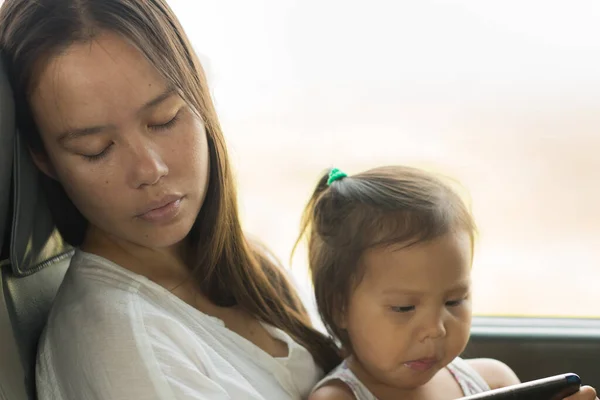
point(94, 80)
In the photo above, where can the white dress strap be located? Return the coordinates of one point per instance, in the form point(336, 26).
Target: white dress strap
point(469, 380)
point(344, 374)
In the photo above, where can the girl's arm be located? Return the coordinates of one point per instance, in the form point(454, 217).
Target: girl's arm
point(494, 372)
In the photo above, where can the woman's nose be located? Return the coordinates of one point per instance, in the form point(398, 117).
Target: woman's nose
point(146, 166)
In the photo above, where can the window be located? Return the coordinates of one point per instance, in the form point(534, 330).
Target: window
point(504, 96)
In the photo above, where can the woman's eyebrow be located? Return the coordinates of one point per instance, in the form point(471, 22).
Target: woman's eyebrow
point(79, 132)
point(170, 91)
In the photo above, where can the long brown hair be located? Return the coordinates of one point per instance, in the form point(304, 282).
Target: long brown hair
point(230, 269)
point(383, 206)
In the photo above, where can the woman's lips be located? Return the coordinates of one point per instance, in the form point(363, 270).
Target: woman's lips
point(162, 211)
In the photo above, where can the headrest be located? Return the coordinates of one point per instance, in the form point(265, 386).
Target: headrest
point(34, 243)
point(7, 128)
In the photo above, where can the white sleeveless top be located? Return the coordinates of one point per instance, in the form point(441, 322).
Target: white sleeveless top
point(116, 335)
point(469, 380)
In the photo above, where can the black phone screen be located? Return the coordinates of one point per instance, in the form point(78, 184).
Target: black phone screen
point(552, 388)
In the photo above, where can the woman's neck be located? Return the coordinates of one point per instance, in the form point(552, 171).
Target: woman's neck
point(169, 267)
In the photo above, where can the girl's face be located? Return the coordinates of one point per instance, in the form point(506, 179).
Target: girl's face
point(410, 315)
point(129, 152)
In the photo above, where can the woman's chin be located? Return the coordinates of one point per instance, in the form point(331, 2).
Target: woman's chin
point(164, 238)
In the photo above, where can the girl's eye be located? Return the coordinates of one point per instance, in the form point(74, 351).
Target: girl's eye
point(454, 303)
point(167, 125)
point(402, 309)
point(97, 156)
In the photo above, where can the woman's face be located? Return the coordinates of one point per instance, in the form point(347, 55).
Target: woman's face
point(129, 152)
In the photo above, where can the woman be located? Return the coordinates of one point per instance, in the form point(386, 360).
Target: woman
point(165, 298)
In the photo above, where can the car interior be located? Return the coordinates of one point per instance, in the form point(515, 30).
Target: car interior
point(34, 260)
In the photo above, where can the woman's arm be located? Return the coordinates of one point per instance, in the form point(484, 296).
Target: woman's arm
point(497, 375)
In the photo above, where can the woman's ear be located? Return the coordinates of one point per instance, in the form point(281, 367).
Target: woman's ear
point(42, 162)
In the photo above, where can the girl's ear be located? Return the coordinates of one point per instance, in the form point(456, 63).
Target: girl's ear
point(42, 162)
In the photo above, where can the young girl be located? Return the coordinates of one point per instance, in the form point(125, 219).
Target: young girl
point(390, 253)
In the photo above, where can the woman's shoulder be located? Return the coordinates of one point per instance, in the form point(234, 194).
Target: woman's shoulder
point(100, 273)
point(92, 290)
point(97, 304)
point(103, 323)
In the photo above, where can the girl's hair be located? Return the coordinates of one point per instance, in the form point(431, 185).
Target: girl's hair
point(380, 207)
point(230, 269)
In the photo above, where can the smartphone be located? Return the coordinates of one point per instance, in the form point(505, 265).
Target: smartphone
point(552, 388)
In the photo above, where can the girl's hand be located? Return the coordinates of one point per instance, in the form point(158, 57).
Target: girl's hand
point(585, 393)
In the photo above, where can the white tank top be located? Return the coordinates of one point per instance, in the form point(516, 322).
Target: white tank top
point(469, 380)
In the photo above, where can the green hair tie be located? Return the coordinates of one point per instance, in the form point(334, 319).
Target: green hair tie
point(335, 175)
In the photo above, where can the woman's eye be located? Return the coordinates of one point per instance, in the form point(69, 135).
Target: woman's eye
point(97, 156)
point(167, 125)
point(402, 309)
